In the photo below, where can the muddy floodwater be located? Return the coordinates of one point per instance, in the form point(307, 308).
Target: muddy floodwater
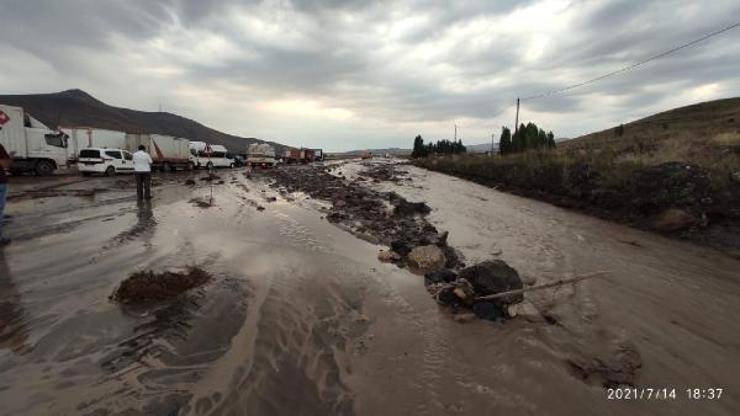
point(300, 318)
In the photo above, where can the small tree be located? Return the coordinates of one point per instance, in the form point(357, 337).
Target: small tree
point(419, 149)
point(504, 143)
point(551, 140)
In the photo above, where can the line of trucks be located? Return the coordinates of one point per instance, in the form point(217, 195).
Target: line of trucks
point(41, 150)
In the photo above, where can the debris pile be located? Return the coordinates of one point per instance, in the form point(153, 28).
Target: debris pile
point(379, 217)
point(148, 286)
point(463, 291)
point(384, 173)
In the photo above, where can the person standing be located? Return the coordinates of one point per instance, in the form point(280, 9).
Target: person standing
point(5, 162)
point(143, 173)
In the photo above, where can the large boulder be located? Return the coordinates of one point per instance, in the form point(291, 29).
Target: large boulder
point(491, 277)
point(427, 258)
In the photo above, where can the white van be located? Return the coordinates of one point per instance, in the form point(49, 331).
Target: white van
point(204, 155)
point(105, 161)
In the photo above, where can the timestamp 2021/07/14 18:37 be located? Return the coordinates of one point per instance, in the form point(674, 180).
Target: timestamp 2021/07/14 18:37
point(664, 393)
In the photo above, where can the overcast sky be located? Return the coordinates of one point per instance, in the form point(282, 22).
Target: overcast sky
point(356, 74)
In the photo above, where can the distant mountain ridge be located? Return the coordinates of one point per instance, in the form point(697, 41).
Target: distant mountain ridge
point(76, 108)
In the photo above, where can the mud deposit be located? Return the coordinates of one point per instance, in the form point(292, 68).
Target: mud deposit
point(148, 286)
point(300, 318)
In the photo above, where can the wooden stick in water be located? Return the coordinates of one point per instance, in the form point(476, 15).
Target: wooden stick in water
point(543, 286)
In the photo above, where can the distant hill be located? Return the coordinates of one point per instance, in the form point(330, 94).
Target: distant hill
point(76, 108)
point(394, 151)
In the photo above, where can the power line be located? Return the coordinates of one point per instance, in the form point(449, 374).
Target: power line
point(634, 65)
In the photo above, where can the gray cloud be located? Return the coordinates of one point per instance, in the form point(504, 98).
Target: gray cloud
point(315, 72)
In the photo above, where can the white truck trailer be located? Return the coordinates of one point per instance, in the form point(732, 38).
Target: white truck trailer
point(33, 146)
point(88, 137)
point(168, 152)
point(261, 154)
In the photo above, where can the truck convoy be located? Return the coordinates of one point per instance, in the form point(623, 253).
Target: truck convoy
point(37, 148)
point(261, 154)
point(33, 146)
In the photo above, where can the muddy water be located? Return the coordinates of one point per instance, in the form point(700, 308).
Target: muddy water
point(302, 319)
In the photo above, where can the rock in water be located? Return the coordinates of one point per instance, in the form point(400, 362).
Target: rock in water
point(405, 208)
point(673, 220)
point(388, 256)
point(440, 276)
point(456, 294)
point(493, 276)
point(427, 258)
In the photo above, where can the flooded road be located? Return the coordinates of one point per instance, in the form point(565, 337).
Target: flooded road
point(302, 319)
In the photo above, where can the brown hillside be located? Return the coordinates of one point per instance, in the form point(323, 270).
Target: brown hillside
point(707, 119)
point(78, 108)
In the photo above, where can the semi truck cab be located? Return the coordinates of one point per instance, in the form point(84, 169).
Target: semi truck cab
point(33, 146)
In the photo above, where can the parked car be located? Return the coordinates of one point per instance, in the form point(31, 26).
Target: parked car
point(105, 161)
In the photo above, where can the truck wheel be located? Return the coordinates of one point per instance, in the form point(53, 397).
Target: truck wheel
point(166, 167)
point(44, 168)
point(110, 171)
point(191, 166)
point(209, 166)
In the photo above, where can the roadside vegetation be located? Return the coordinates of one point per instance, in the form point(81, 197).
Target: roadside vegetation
point(441, 147)
point(679, 181)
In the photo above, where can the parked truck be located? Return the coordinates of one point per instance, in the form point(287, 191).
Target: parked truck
point(261, 154)
point(168, 152)
point(299, 156)
point(88, 137)
point(33, 146)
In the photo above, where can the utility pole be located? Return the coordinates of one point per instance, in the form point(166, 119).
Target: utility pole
point(455, 132)
point(516, 123)
point(492, 136)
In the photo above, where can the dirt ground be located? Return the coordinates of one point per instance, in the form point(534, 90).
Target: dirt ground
point(300, 317)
